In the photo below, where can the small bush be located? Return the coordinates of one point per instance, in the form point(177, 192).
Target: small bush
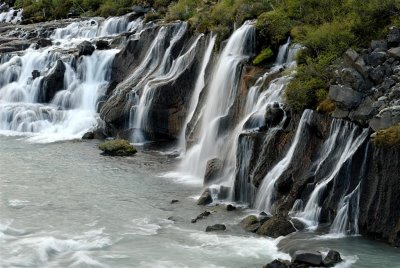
point(388, 137)
point(265, 55)
point(326, 107)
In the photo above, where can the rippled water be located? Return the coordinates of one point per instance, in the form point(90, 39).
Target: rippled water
point(65, 205)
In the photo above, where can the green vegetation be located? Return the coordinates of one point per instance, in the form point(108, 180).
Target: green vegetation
point(388, 137)
point(264, 55)
point(117, 147)
point(326, 28)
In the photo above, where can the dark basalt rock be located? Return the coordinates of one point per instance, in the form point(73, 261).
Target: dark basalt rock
point(279, 264)
point(311, 258)
point(85, 48)
point(88, 136)
point(102, 45)
point(216, 228)
point(332, 258)
point(273, 115)
point(52, 83)
point(201, 216)
point(344, 96)
point(230, 207)
point(43, 42)
point(35, 74)
point(174, 201)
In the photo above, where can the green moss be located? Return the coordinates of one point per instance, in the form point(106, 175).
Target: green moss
point(388, 137)
point(117, 147)
point(265, 55)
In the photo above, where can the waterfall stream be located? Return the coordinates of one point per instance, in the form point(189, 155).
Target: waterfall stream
point(30, 103)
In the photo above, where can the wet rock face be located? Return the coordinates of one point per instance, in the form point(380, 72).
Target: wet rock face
point(366, 84)
point(52, 83)
point(380, 209)
point(213, 170)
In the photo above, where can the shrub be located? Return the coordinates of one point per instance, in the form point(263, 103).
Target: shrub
point(326, 107)
point(265, 55)
point(388, 137)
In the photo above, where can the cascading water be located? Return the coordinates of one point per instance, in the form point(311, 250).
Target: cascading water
point(343, 142)
point(220, 98)
point(26, 104)
point(265, 196)
point(200, 84)
point(12, 16)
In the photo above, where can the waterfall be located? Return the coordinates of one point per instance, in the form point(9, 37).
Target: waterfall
point(200, 84)
point(31, 104)
point(156, 68)
point(220, 97)
point(12, 16)
point(265, 196)
point(338, 149)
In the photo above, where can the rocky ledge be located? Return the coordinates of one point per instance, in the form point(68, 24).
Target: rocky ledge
point(366, 88)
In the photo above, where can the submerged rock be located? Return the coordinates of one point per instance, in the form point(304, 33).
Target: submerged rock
point(279, 264)
point(230, 207)
point(117, 147)
point(216, 227)
point(201, 216)
point(332, 258)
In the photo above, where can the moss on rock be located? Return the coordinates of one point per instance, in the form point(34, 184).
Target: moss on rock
point(117, 147)
point(388, 137)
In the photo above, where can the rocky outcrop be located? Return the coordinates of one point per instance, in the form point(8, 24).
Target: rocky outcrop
point(366, 87)
point(52, 83)
point(216, 228)
point(305, 259)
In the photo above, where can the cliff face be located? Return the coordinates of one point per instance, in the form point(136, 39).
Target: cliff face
point(380, 196)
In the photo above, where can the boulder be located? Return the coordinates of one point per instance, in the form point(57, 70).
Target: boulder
point(230, 207)
point(216, 227)
point(299, 225)
point(250, 224)
point(394, 52)
point(275, 227)
point(339, 113)
point(35, 74)
point(117, 147)
point(364, 112)
point(52, 83)
point(85, 48)
point(393, 37)
point(205, 198)
point(273, 115)
point(279, 264)
point(311, 258)
point(377, 74)
point(102, 44)
point(88, 136)
point(332, 258)
point(213, 170)
point(380, 45)
point(385, 118)
point(350, 57)
point(173, 201)
point(344, 96)
point(352, 78)
point(376, 58)
point(43, 42)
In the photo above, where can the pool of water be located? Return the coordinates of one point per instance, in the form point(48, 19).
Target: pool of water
point(65, 205)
